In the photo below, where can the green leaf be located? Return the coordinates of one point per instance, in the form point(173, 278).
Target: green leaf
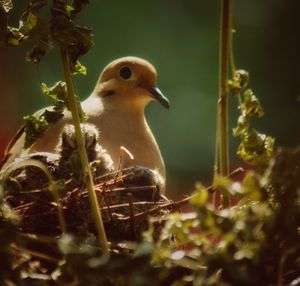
point(15, 37)
point(63, 32)
point(84, 44)
point(57, 92)
point(199, 197)
point(40, 35)
point(256, 148)
point(239, 82)
point(34, 129)
point(76, 7)
point(251, 187)
point(52, 116)
point(28, 21)
point(84, 37)
point(7, 5)
point(79, 68)
point(242, 125)
point(252, 105)
point(83, 116)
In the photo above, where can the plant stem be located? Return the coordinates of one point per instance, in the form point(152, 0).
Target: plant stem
point(223, 94)
point(82, 152)
point(230, 44)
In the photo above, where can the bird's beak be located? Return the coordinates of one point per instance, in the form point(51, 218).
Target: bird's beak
point(158, 96)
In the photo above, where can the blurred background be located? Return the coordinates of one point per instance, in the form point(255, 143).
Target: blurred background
point(180, 38)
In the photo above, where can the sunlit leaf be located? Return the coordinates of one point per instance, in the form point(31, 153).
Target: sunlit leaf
point(77, 6)
point(251, 187)
point(79, 68)
point(252, 105)
point(57, 92)
point(239, 82)
point(7, 5)
point(28, 21)
point(200, 196)
point(242, 125)
point(34, 129)
point(256, 148)
point(15, 37)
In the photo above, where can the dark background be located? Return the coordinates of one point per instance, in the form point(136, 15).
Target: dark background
point(181, 39)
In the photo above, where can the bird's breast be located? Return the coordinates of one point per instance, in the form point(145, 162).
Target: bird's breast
point(133, 133)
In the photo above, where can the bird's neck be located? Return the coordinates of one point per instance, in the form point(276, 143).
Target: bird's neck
point(125, 108)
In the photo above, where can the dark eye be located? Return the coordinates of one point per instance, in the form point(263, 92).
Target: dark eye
point(125, 73)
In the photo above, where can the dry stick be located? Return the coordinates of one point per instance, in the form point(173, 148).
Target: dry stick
point(138, 204)
point(180, 203)
point(107, 201)
point(134, 189)
point(82, 153)
point(52, 185)
point(223, 98)
point(34, 253)
point(121, 157)
point(113, 173)
point(131, 212)
point(33, 237)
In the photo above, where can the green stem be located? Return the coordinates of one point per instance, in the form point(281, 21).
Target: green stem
point(223, 94)
point(82, 153)
point(230, 37)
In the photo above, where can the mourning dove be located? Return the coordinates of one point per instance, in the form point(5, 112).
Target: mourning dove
point(116, 107)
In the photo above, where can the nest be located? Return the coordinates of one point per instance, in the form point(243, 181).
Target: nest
point(126, 198)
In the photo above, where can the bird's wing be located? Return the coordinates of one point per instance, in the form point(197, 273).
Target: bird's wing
point(16, 144)
point(14, 148)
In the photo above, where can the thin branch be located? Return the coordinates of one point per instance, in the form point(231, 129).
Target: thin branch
point(82, 153)
point(223, 94)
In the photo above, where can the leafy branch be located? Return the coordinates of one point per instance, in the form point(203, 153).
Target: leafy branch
point(73, 41)
point(255, 148)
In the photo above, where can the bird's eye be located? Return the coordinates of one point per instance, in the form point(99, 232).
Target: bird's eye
point(125, 73)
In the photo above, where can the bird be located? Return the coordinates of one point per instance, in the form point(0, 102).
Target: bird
point(99, 158)
point(116, 107)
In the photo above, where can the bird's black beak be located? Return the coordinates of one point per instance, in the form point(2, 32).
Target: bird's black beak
point(158, 96)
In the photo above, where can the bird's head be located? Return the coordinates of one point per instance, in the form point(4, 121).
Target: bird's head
point(129, 81)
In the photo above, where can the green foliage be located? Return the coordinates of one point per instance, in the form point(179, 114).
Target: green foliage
point(42, 33)
point(36, 125)
point(254, 243)
point(255, 148)
point(83, 264)
point(77, 40)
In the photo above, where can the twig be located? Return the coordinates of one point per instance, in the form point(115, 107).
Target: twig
point(82, 153)
point(107, 201)
point(121, 157)
point(180, 203)
point(133, 189)
point(34, 253)
point(131, 212)
point(223, 98)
